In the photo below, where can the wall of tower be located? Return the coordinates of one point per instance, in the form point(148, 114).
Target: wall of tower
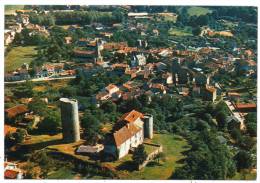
point(148, 126)
point(70, 120)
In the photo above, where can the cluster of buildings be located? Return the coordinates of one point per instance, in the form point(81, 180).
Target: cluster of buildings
point(128, 132)
point(15, 23)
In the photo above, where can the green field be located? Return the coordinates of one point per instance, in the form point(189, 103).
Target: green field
point(175, 31)
point(9, 9)
point(198, 11)
point(62, 173)
point(244, 176)
point(19, 55)
point(173, 146)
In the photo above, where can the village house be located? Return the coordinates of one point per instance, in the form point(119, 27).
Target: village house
point(233, 96)
point(157, 88)
point(245, 107)
point(84, 53)
point(138, 60)
point(102, 96)
point(13, 112)
point(68, 40)
point(23, 19)
point(11, 171)
point(167, 77)
point(9, 37)
point(36, 29)
point(111, 89)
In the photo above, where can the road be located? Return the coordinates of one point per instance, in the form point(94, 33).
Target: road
point(41, 79)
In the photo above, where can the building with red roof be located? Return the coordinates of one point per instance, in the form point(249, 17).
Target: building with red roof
point(128, 133)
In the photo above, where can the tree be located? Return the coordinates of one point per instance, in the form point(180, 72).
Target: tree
point(209, 153)
point(243, 160)
point(108, 107)
point(196, 31)
point(221, 118)
point(38, 106)
point(68, 91)
point(251, 129)
point(51, 123)
point(139, 155)
point(12, 139)
point(160, 156)
point(24, 90)
point(19, 135)
point(236, 135)
point(92, 128)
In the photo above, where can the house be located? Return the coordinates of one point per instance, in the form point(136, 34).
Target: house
point(244, 108)
point(84, 53)
point(184, 91)
point(128, 133)
point(138, 60)
point(167, 78)
point(111, 88)
point(68, 40)
point(9, 129)
point(24, 19)
point(11, 171)
point(157, 88)
point(90, 149)
point(102, 96)
point(15, 111)
point(233, 96)
point(9, 36)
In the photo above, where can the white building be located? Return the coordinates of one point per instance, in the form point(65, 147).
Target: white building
point(111, 88)
point(130, 131)
point(138, 60)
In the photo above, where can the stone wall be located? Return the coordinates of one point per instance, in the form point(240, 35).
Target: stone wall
point(152, 155)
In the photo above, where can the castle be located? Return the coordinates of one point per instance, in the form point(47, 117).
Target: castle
point(128, 133)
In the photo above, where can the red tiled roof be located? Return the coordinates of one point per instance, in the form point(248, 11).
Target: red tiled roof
point(131, 116)
point(125, 133)
point(11, 174)
point(8, 128)
point(245, 106)
point(83, 52)
point(110, 87)
point(16, 110)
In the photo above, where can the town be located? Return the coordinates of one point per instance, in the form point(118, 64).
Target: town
point(130, 92)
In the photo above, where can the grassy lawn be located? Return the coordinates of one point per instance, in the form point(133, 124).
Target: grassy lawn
point(175, 31)
point(173, 146)
point(244, 176)
point(62, 173)
point(36, 139)
point(9, 9)
point(19, 55)
point(198, 11)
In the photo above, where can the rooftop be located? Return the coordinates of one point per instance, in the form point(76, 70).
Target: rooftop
point(125, 133)
point(131, 116)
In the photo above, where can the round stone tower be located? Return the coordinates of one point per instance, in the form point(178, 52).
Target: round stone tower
point(148, 126)
point(70, 120)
